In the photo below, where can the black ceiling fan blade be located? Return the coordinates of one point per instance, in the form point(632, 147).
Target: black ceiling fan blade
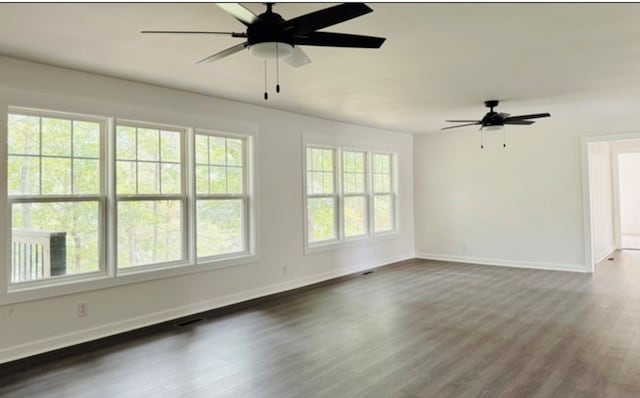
point(463, 121)
point(298, 58)
point(316, 20)
point(239, 12)
point(460, 125)
point(519, 122)
point(224, 53)
point(330, 39)
point(194, 32)
point(531, 116)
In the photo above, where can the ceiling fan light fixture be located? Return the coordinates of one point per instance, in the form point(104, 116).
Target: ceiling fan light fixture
point(493, 127)
point(271, 50)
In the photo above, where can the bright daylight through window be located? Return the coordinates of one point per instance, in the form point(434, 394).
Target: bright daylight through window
point(222, 199)
point(349, 199)
point(383, 199)
point(151, 200)
point(354, 185)
point(62, 205)
point(55, 193)
point(321, 195)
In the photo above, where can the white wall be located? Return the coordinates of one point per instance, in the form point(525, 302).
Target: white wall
point(515, 206)
point(601, 186)
point(36, 326)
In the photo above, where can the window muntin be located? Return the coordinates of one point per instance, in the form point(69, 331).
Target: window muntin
point(383, 197)
point(354, 189)
point(350, 201)
point(320, 171)
point(148, 161)
point(54, 165)
point(222, 199)
point(150, 195)
point(321, 195)
point(106, 186)
point(53, 156)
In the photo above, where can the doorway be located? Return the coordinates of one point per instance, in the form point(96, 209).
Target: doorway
point(612, 171)
point(627, 159)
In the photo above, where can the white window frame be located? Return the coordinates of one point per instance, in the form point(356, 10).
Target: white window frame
point(245, 197)
point(339, 195)
point(391, 193)
point(366, 194)
point(100, 198)
point(337, 223)
point(109, 275)
point(181, 197)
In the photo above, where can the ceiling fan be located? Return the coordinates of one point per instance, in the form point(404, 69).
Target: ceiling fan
point(496, 121)
point(270, 36)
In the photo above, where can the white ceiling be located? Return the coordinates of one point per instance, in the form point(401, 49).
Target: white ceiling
point(440, 61)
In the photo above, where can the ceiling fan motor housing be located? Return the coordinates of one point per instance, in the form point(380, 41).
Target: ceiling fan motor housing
point(266, 29)
point(266, 39)
point(492, 118)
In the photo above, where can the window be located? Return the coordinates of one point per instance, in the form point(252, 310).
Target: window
point(321, 195)
point(96, 199)
point(354, 188)
point(55, 185)
point(382, 193)
point(222, 200)
point(150, 195)
point(351, 201)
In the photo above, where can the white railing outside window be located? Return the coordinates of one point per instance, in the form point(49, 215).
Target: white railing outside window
point(37, 254)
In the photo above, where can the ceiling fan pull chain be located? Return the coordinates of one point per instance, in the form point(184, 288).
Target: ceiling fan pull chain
point(277, 69)
point(504, 136)
point(481, 139)
point(266, 95)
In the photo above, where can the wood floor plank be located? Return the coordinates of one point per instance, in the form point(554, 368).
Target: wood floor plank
point(412, 330)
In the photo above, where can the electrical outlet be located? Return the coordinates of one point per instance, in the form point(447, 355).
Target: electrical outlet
point(285, 270)
point(83, 309)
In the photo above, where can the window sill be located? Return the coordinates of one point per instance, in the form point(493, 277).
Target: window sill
point(87, 283)
point(351, 242)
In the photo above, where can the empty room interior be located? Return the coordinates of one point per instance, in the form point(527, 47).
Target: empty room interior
point(319, 200)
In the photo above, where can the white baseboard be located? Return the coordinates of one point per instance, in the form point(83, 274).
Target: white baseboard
point(502, 262)
point(81, 336)
point(605, 253)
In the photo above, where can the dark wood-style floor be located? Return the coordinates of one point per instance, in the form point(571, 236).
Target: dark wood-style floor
point(417, 329)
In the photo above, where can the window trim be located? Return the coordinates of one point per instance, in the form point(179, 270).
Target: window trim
point(137, 197)
point(109, 276)
point(337, 222)
point(245, 197)
point(101, 199)
point(391, 193)
point(364, 194)
point(371, 235)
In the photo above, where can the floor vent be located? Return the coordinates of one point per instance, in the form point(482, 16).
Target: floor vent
point(367, 273)
point(188, 322)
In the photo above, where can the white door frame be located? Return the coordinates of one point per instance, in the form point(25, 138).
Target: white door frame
point(586, 191)
point(616, 149)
